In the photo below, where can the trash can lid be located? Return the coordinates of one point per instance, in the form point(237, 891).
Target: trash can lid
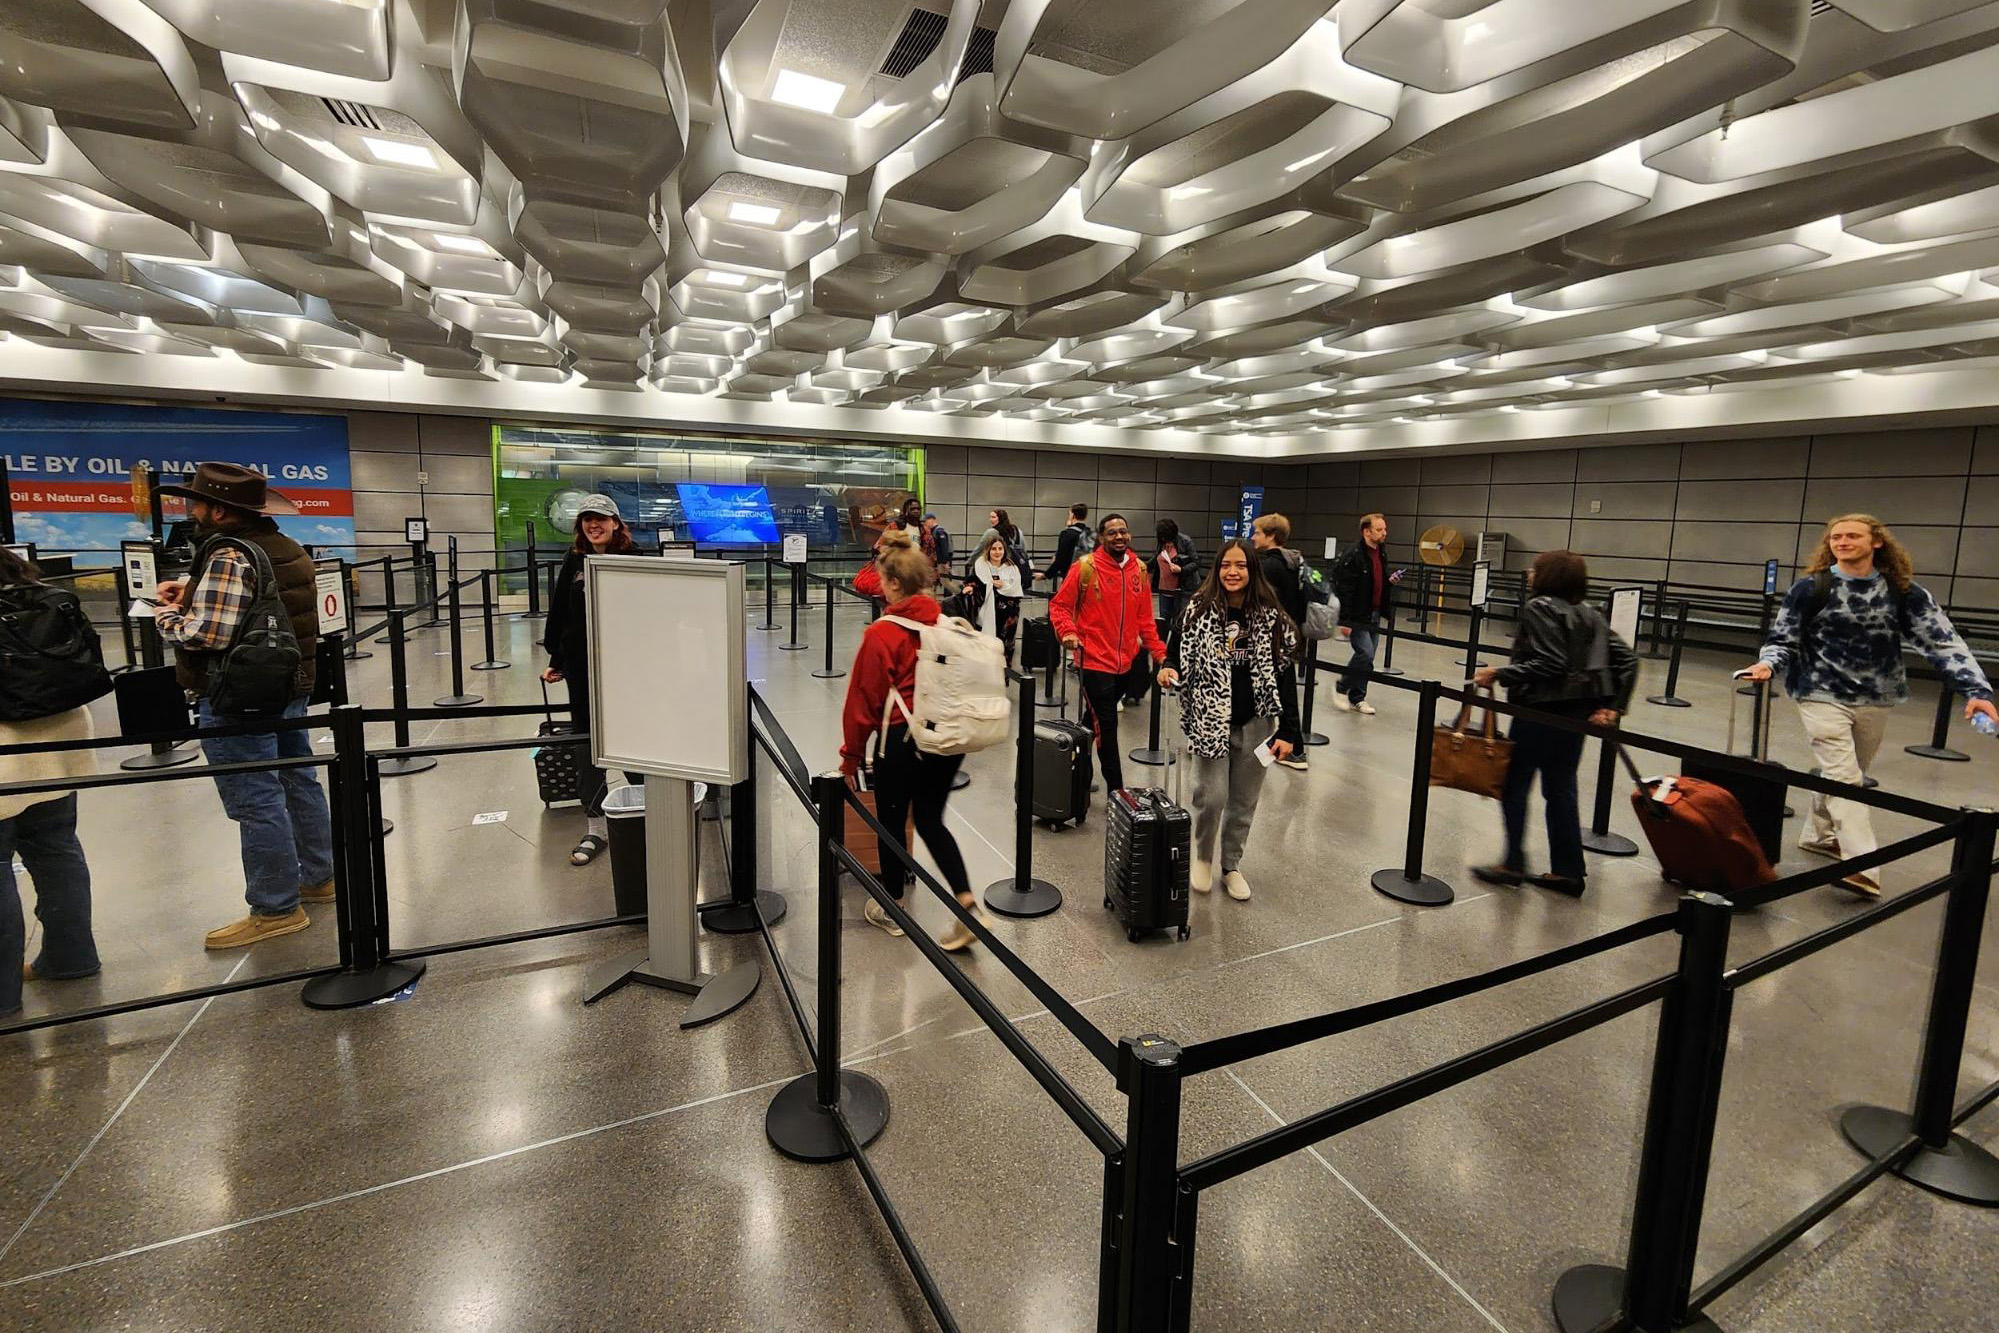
point(625, 802)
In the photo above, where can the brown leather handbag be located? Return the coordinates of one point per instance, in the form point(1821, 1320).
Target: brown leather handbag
point(1470, 761)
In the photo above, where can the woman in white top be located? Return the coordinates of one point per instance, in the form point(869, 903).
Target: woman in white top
point(997, 579)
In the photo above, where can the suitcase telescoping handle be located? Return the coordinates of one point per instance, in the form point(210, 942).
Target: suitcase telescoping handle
point(547, 707)
point(1759, 743)
point(1654, 796)
point(1181, 762)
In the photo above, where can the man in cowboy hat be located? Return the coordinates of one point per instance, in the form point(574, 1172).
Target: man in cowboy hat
point(281, 816)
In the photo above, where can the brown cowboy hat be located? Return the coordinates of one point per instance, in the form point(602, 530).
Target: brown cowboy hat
point(233, 485)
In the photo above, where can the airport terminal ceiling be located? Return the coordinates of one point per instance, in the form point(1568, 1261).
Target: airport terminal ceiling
point(1263, 228)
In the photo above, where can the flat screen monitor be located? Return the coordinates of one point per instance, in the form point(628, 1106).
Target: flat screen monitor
point(727, 514)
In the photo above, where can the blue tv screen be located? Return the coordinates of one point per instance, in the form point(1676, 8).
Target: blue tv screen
point(727, 514)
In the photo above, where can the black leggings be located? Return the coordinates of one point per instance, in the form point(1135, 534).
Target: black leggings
point(593, 785)
point(904, 776)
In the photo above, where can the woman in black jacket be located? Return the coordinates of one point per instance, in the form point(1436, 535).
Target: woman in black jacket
point(600, 530)
point(1566, 661)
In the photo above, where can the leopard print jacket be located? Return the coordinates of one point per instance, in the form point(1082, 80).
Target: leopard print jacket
point(1207, 692)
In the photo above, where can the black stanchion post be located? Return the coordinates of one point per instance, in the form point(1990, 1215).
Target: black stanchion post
point(1939, 744)
point(1649, 1295)
point(1150, 1220)
point(1658, 620)
point(350, 592)
point(366, 974)
point(1470, 660)
point(486, 591)
point(431, 598)
point(1387, 667)
point(1407, 883)
point(1671, 699)
point(534, 611)
point(399, 700)
point(1311, 692)
point(1150, 752)
point(1423, 600)
point(801, 1120)
point(797, 596)
point(829, 671)
point(389, 602)
point(1021, 894)
point(458, 698)
point(1946, 1162)
point(739, 916)
point(1598, 838)
point(1762, 637)
point(770, 596)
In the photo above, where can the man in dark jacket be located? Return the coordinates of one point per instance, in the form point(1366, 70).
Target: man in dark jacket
point(1074, 538)
point(1361, 580)
point(282, 818)
point(1282, 569)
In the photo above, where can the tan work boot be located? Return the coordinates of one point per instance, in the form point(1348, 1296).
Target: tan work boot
point(316, 893)
point(254, 929)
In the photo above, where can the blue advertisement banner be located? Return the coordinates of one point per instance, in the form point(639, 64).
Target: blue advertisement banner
point(1252, 505)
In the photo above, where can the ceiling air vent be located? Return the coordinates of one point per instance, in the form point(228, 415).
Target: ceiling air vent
point(1818, 7)
point(351, 113)
point(921, 32)
point(978, 54)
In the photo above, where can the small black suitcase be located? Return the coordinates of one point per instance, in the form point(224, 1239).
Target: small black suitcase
point(558, 768)
point(1145, 861)
point(1761, 799)
point(1039, 647)
point(1061, 767)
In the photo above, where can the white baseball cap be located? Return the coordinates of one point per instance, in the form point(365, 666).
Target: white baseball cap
point(599, 504)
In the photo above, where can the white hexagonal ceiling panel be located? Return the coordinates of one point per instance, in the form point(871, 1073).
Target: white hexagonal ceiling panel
point(1246, 218)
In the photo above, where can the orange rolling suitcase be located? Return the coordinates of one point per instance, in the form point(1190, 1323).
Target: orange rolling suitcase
point(1699, 833)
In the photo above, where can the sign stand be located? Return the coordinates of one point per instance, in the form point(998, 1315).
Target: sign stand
point(638, 655)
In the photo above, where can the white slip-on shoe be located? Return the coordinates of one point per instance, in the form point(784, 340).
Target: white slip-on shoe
point(1364, 709)
point(1341, 702)
point(1200, 876)
point(1237, 886)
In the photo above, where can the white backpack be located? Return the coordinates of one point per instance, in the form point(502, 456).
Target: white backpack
point(961, 701)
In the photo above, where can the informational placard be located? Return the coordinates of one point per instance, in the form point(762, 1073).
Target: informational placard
point(1769, 576)
point(677, 550)
point(330, 582)
point(1490, 547)
point(1231, 529)
point(1481, 575)
point(665, 535)
point(1252, 505)
point(142, 575)
point(668, 630)
point(1332, 547)
point(416, 530)
point(794, 548)
point(1624, 612)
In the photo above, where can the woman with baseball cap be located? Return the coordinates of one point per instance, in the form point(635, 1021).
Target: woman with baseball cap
point(600, 530)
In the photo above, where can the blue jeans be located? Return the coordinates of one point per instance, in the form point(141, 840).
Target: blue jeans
point(45, 836)
point(286, 829)
point(1554, 755)
point(1353, 681)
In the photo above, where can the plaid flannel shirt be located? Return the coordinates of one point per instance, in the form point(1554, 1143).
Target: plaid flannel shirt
point(208, 615)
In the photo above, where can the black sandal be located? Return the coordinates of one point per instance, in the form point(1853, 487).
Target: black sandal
point(588, 850)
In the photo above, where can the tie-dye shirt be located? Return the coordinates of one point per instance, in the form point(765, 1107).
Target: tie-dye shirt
point(1852, 653)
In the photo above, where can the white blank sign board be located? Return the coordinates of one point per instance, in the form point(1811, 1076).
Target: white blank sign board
point(1624, 613)
point(667, 670)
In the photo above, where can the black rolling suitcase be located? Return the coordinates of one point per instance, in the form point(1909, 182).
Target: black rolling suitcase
point(1039, 647)
point(1146, 857)
point(558, 768)
point(1761, 799)
point(1061, 766)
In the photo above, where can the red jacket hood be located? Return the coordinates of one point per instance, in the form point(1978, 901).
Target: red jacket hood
point(922, 608)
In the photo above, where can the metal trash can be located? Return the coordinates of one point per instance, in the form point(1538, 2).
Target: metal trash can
point(624, 810)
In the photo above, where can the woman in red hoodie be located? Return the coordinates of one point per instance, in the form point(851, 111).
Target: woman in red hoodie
point(903, 776)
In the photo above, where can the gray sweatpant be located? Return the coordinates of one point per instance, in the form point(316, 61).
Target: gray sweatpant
point(1225, 793)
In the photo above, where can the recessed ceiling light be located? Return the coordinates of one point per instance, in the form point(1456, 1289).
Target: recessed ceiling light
point(396, 153)
point(464, 245)
point(728, 279)
point(762, 215)
point(807, 91)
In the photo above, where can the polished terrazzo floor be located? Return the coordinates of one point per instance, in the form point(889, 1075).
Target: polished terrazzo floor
point(489, 1154)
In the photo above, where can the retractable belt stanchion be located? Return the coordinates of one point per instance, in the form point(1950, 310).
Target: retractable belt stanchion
point(399, 699)
point(1387, 667)
point(1945, 1162)
point(1650, 1293)
point(1470, 660)
point(797, 595)
point(458, 698)
point(350, 593)
point(1311, 695)
point(747, 904)
point(770, 596)
point(1150, 752)
point(1656, 651)
point(1407, 883)
point(1671, 699)
point(1762, 637)
point(829, 671)
point(366, 975)
point(534, 611)
point(1598, 837)
point(1149, 1269)
point(487, 582)
point(1939, 747)
point(802, 1121)
point(160, 754)
point(1022, 894)
point(431, 598)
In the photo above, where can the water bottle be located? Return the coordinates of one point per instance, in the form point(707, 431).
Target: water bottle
point(1983, 724)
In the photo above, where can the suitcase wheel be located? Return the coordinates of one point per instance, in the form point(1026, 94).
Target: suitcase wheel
point(1183, 932)
point(1131, 935)
point(1107, 902)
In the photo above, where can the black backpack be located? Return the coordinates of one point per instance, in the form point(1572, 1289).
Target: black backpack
point(257, 674)
point(50, 659)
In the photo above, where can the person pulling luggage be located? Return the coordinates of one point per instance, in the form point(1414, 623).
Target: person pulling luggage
point(1566, 661)
point(1838, 639)
point(600, 530)
point(1103, 612)
point(903, 777)
point(1234, 653)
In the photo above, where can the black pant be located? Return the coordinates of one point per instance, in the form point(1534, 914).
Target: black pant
point(1103, 689)
point(905, 776)
point(592, 784)
point(1555, 755)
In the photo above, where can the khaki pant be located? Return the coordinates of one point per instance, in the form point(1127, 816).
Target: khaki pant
point(1844, 739)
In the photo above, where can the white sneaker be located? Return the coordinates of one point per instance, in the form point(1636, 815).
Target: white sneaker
point(1237, 886)
point(1365, 709)
point(1200, 876)
point(1341, 702)
point(877, 917)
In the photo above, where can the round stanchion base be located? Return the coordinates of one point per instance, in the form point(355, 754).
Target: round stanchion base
point(1154, 757)
point(1959, 1170)
point(1867, 782)
point(351, 990)
point(1388, 671)
point(1040, 898)
point(359, 657)
point(150, 759)
point(1943, 752)
point(793, 647)
point(960, 780)
point(532, 615)
point(402, 768)
point(800, 1128)
point(1317, 738)
point(491, 666)
point(1586, 1298)
point(457, 701)
point(1423, 891)
point(741, 918)
point(1608, 844)
point(768, 628)
point(1667, 701)
point(1049, 701)
point(824, 674)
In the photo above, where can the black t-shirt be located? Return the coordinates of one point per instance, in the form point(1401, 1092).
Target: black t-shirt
point(1235, 652)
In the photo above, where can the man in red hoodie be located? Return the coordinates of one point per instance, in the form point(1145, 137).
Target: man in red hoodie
point(1104, 608)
